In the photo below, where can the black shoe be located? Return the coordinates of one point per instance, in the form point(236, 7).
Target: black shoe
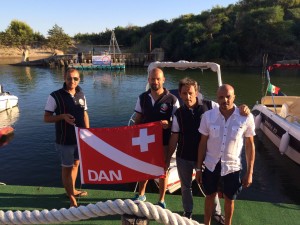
point(187, 215)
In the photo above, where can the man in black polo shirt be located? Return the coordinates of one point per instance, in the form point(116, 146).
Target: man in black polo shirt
point(156, 104)
point(67, 108)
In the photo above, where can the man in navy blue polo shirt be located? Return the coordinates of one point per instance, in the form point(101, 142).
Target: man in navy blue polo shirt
point(156, 104)
point(67, 108)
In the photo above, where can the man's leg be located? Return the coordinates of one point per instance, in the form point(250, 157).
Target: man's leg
point(185, 172)
point(74, 176)
point(229, 209)
point(68, 184)
point(210, 184)
point(163, 182)
point(209, 208)
point(162, 188)
point(142, 187)
point(66, 153)
point(232, 187)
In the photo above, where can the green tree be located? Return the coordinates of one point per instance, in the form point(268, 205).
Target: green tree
point(58, 39)
point(18, 34)
point(38, 39)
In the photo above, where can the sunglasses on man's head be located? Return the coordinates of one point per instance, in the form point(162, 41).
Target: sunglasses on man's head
point(73, 78)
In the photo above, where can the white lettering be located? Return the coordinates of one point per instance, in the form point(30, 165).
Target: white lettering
point(111, 175)
point(103, 176)
point(93, 176)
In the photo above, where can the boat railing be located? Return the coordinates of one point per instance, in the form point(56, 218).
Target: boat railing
point(293, 119)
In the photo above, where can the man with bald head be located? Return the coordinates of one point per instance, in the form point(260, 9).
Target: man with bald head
point(156, 104)
point(223, 132)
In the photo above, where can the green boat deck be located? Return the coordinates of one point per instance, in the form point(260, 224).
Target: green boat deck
point(246, 212)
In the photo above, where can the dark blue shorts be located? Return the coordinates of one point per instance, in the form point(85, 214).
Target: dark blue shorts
point(67, 154)
point(229, 184)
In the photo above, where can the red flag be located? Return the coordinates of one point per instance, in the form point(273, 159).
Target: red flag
point(121, 154)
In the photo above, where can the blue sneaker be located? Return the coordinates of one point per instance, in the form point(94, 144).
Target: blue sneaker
point(162, 204)
point(141, 198)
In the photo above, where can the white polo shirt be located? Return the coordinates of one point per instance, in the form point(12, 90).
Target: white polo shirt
point(226, 139)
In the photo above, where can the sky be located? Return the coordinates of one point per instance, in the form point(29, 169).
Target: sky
point(95, 16)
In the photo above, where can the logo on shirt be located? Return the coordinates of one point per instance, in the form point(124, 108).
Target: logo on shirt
point(163, 108)
point(81, 102)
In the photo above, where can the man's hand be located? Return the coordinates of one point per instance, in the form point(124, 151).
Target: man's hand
point(244, 110)
point(199, 177)
point(165, 124)
point(247, 180)
point(69, 119)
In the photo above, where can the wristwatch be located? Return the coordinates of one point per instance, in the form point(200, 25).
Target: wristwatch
point(198, 169)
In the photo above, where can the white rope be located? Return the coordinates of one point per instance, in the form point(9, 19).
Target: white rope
point(118, 206)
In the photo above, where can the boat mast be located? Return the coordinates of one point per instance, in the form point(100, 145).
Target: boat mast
point(150, 43)
point(113, 45)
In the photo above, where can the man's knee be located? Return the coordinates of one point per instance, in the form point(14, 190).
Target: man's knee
point(212, 196)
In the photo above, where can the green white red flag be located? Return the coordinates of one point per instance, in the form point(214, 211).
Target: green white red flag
point(273, 89)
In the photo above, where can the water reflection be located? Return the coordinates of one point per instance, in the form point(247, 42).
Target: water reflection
point(27, 72)
point(5, 139)
point(105, 79)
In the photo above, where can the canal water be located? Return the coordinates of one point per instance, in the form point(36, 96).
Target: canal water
point(30, 159)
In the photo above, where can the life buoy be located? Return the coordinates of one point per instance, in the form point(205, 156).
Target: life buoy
point(284, 143)
point(257, 121)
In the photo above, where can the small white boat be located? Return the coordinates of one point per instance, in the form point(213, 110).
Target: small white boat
point(7, 101)
point(173, 180)
point(279, 119)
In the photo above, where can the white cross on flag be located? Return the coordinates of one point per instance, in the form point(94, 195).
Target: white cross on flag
point(120, 154)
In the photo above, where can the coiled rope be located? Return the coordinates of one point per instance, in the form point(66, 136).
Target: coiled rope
point(118, 206)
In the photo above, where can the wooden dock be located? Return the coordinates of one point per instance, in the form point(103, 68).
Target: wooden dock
point(90, 66)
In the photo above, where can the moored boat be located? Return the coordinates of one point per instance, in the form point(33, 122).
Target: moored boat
point(7, 100)
point(279, 118)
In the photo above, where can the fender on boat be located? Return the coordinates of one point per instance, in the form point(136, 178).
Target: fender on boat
point(284, 143)
point(257, 121)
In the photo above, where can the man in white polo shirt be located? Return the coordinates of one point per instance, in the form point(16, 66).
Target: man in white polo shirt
point(223, 131)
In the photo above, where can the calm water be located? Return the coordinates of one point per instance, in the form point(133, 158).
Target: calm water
point(30, 159)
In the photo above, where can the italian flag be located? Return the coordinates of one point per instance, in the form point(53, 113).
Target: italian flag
point(273, 89)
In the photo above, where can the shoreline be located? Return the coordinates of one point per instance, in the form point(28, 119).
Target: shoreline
point(10, 55)
point(7, 60)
